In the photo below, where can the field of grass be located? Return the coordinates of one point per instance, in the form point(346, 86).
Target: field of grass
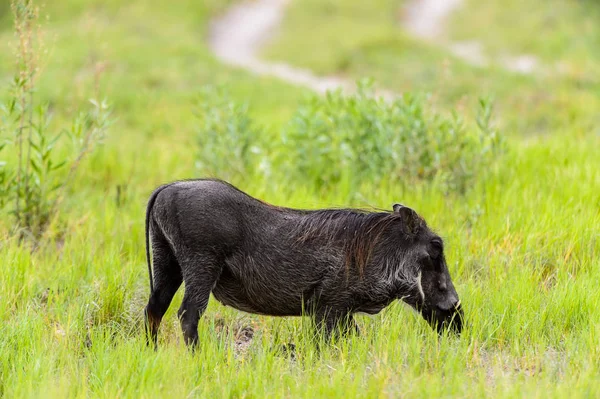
point(557, 31)
point(522, 244)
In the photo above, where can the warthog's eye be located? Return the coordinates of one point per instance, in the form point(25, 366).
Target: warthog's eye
point(436, 248)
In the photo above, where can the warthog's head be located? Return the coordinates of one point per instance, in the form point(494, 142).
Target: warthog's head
point(429, 288)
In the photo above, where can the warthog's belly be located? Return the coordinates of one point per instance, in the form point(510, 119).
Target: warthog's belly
point(372, 308)
point(232, 292)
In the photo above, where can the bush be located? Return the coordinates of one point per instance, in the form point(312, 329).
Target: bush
point(360, 137)
point(349, 139)
point(229, 142)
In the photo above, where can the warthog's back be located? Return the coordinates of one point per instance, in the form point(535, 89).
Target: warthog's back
point(209, 212)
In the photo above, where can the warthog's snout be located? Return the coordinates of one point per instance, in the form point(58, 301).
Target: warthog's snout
point(446, 316)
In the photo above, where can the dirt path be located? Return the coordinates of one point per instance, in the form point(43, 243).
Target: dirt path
point(425, 18)
point(237, 37)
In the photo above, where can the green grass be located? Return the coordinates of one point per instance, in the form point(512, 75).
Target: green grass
point(557, 31)
point(523, 244)
point(523, 254)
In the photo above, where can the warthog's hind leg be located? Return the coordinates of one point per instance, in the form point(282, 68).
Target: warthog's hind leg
point(200, 274)
point(167, 279)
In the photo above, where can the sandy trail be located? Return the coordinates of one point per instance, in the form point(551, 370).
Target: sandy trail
point(425, 18)
point(237, 37)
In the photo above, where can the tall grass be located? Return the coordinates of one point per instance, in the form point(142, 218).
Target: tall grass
point(71, 319)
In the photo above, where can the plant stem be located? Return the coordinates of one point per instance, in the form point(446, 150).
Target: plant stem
point(22, 66)
point(29, 89)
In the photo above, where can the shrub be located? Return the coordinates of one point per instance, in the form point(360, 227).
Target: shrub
point(229, 142)
point(361, 137)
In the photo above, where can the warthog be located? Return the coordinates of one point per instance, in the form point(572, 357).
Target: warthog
point(278, 261)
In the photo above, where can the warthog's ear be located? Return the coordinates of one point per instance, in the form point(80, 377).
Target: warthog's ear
point(410, 218)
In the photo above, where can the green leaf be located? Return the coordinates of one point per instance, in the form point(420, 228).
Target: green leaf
point(34, 146)
point(55, 138)
point(36, 167)
point(59, 165)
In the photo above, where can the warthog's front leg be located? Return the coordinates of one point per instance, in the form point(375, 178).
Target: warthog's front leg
point(335, 323)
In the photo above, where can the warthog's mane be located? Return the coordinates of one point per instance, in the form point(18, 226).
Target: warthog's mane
point(358, 230)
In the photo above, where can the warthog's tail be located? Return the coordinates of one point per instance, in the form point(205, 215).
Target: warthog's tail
point(148, 210)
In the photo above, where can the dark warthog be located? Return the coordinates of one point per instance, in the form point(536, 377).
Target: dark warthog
point(278, 261)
